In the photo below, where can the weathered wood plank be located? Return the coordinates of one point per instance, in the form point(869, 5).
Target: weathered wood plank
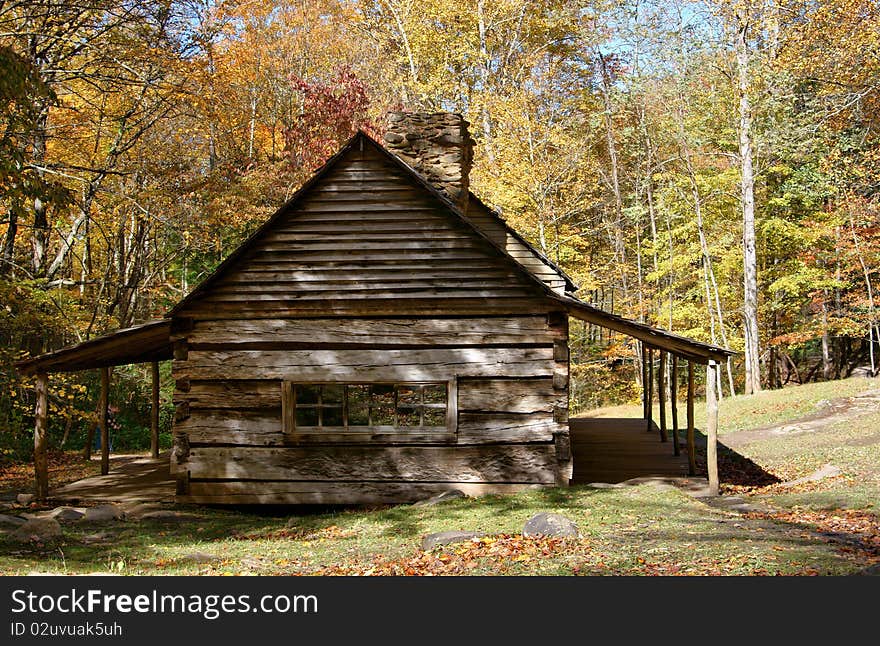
point(368, 294)
point(328, 493)
point(367, 365)
point(364, 307)
point(492, 463)
point(354, 287)
point(496, 427)
point(450, 331)
point(235, 393)
point(364, 246)
point(509, 395)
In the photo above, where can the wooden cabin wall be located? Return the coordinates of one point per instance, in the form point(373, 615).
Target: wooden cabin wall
point(512, 402)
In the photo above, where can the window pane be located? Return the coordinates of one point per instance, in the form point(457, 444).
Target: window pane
point(357, 396)
point(383, 394)
point(408, 395)
point(382, 415)
point(306, 393)
point(332, 394)
point(306, 416)
point(358, 417)
point(435, 417)
point(435, 394)
point(407, 417)
point(332, 416)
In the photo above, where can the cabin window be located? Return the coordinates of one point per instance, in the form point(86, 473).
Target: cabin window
point(367, 407)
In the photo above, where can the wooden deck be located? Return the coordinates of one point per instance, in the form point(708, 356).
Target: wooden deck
point(614, 449)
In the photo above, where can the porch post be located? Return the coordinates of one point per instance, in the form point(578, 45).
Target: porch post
point(102, 421)
point(692, 458)
point(41, 414)
point(673, 386)
point(154, 413)
point(649, 407)
point(661, 395)
point(712, 427)
point(644, 382)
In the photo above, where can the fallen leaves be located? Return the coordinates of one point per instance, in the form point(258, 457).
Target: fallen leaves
point(497, 553)
point(853, 532)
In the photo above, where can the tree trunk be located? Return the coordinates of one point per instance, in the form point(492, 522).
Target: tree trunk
point(102, 421)
point(41, 437)
point(154, 412)
point(691, 441)
point(747, 196)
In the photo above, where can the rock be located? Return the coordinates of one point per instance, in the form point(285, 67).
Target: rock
point(198, 557)
point(252, 563)
point(393, 137)
point(827, 471)
point(42, 530)
point(65, 514)
point(871, 570)
point(438, 539)
point(452, 494)
point(547, 524)
point(25, 498)
point(100, 537)
point(13, 522)
point(103, 514)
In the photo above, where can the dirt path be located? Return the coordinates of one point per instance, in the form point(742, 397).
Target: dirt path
point(832, 412)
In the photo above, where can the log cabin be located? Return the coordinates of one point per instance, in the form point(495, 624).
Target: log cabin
point(383, 337)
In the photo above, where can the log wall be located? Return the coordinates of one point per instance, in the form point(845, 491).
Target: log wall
point(511, 427)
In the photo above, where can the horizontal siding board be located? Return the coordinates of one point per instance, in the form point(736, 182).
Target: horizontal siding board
point(454, 331)
point(367, 365)
point(490, 463)
point(234, 394)
point(509, 395)
point(364, 293)
point(499, 427)
point(383, 307)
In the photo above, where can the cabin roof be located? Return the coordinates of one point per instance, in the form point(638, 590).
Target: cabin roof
point(142, 343)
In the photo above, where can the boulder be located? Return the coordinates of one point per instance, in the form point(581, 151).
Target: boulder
point(547, 524)
point(25, 498)
point(452, 494)
point(11, 522)
point(827, 471)
point(103, 514)
point(38, 530)
point(65, 514)
point(439, 539)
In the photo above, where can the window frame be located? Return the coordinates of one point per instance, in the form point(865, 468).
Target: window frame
point(396, 434)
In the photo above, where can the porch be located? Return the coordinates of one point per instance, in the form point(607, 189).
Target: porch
point(616, 449)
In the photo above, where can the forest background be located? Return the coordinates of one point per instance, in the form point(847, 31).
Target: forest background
point(708, 167)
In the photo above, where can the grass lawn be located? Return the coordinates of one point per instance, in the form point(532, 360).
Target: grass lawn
point(764, 409)
point(637, 530)
point(828, 527)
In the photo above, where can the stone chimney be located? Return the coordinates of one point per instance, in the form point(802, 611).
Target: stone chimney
point(438, 146)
